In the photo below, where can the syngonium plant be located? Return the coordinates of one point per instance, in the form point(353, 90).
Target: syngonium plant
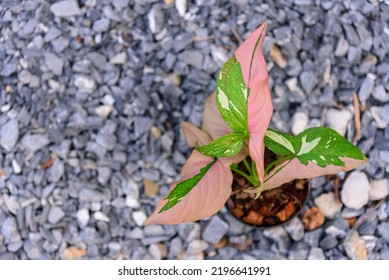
point(235, 128)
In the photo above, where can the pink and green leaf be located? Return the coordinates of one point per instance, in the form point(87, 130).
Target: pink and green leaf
point(231, 95)
point(294, 169)
point(205, 199)
point(259, 105)
point(213, 122)
point(315, 152)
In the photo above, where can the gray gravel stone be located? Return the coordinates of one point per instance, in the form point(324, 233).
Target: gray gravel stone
point(34, 142)
point(366, 88)
point(295, 229)
point(56, 171)
point(32, 250)
point(8, 69)
point(328, 242)
point(279, 236)
point(316, 254)
point(55, 215)
point(308, 81)
point(142, 125)
point(154, 230)
point(101, 25)
point(104, 174)
point(65, 8)
point(303, 2)
point(9, 134)
point(106, 140)
point(215, 230)
point(52, 34)
point(14, 247)
point(9, 230)
point(119, 58)
point(54, 63)
point(283, 35)
point(383, 230)
point(193, 58)
point(342, 47)
point(380, 94)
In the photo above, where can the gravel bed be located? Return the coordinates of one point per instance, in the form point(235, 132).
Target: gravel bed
point(92, 93)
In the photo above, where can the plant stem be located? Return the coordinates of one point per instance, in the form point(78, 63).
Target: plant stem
point(246, 176)
point(278, 170)
point(247, 165)
point(278, 161)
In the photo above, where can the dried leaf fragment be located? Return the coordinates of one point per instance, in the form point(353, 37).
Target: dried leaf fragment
point(313, 218)
point(151, 188)
point(253, 218)
point(74, 253)
point(277, 56)
point(47, 164)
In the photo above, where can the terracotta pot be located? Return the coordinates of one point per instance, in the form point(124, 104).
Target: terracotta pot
point(273, 207)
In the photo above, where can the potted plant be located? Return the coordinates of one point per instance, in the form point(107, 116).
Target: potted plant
point(233, 139)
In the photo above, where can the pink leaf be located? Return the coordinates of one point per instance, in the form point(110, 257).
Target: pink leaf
point(297, 170)
point(260, 108)
point(213, 122)
point(204, 200)
point(193, 134)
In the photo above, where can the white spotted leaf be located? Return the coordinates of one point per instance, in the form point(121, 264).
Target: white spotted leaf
point(324, 146)
point(231, 95)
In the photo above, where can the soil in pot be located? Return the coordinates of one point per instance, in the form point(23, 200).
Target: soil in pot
point(273, 207)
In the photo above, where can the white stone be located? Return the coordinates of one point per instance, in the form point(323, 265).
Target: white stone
point(100, 216)
point(119, 58)
point(83, 217)
point(338, 120)
point(181, 6)
point(381, 123)
point(328, 204)
point(132, 202)
point(85, 83)
point(16, 167)
point(103, 110)
point(379, 189)
point(292, 84)
point(355, 247)
point(197, 246)
point(299, 122)
point(139, 217)
point(108, 99)
point(355, 190)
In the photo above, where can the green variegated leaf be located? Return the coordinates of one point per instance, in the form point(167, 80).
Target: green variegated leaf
point(231, 95)
point(279, 142)
point(184, 187)
point(324, 146)
point(225, 146)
